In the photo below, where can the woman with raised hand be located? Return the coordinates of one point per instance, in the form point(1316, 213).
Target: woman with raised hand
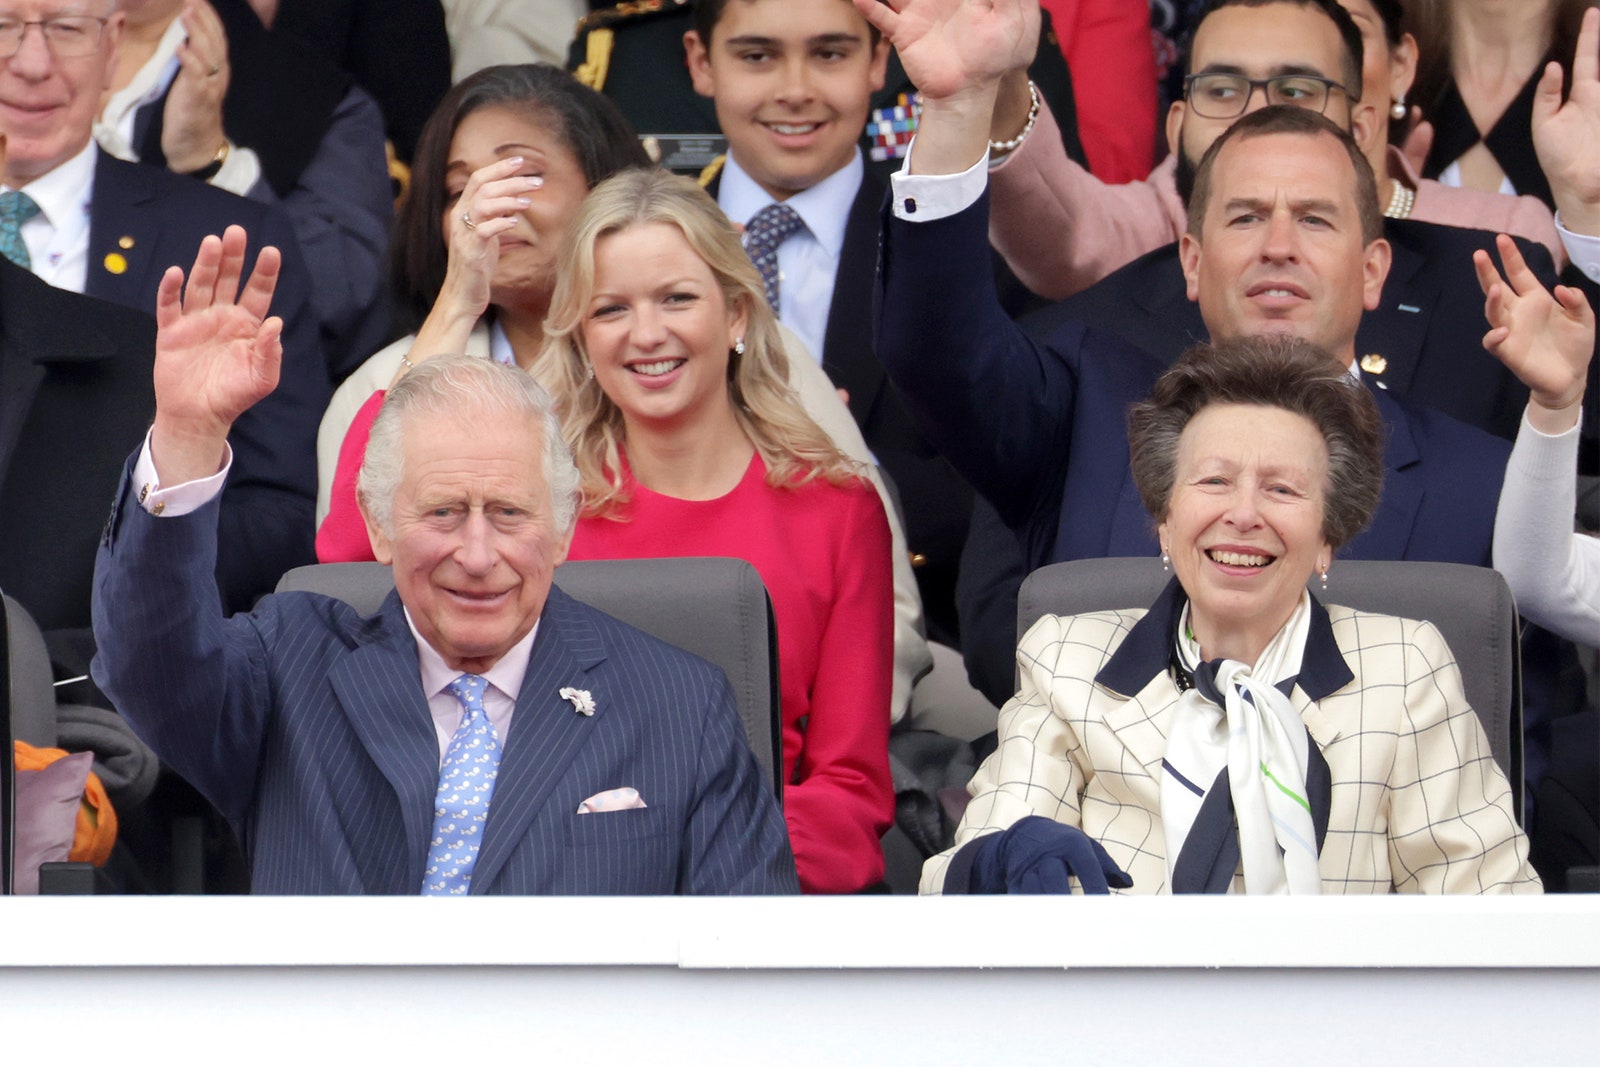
point(500, 170)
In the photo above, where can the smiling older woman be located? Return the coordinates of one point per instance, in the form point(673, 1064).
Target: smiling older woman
point(1238, 735)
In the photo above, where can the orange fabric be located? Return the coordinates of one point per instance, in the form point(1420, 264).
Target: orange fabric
point(96, 830)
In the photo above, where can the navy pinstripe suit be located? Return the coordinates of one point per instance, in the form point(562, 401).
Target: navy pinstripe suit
point(306, 725)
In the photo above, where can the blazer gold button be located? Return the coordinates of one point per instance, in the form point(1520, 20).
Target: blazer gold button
point(918, 559)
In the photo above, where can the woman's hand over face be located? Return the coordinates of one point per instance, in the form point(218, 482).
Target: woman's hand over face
point(488, 206)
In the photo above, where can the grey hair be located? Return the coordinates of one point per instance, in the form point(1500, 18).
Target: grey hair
point(459, 386)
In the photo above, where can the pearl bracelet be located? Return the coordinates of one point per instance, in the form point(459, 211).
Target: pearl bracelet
point(1002, 148)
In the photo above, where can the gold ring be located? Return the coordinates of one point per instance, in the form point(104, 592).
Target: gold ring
point(214, 71)
point(467, 218)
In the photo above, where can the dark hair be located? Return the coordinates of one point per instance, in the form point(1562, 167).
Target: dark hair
point(1273, 371)
point(1283, 118)
point(1393, 17)
point(1429, 22)
point(588, 124)
point(707, 13)
point(1349, 32)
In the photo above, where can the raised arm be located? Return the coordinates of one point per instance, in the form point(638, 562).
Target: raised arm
point(191, 683)
point(1548, 342)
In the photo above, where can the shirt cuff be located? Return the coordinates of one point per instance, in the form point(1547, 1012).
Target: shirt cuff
point(239, 172)
point(1582, 249)
point(930, 197)
point(175, 500)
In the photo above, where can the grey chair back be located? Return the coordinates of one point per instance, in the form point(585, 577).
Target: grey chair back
point(30, 684)
point(716, 608)
point(1471, 606)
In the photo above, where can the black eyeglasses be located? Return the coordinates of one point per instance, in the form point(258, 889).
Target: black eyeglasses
point(65, 35)
point(1226, 96)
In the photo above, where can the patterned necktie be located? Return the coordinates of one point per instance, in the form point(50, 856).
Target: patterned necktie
point(466, 784)
point(15, 209)
point(770, 228)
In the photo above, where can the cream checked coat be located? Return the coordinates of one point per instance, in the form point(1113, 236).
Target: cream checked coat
point(1418, 803)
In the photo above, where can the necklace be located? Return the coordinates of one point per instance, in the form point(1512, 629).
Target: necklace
point(1401, 200)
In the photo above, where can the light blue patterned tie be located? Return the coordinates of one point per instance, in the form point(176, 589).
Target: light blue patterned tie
point(772, 226)
point(466, 784)
point(15, 209)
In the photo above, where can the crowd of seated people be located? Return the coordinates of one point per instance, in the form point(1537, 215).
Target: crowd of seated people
point(472, 331)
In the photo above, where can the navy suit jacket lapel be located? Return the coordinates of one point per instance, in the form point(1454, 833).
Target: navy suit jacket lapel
point(547, 732)
point(1403, 487)
point(847, 354)
point(1402, 316)
point(379, 687)
point(1147, 650)
point(121, 223)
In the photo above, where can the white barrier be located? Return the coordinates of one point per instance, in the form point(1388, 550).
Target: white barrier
point(881, 980)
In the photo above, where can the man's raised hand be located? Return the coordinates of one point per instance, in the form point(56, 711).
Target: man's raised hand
point(217, 353)
point(949, 47)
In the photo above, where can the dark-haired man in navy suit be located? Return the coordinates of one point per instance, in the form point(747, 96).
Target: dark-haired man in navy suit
point(483, 733)
point(1285, 234)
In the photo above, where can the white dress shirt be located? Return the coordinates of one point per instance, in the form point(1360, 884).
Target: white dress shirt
point(58, 237)
point(808, 261)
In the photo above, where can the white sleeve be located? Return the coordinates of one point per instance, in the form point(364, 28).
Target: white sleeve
point(1553, 573)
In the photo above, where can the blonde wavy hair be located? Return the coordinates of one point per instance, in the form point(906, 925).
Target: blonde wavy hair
point(793, 447)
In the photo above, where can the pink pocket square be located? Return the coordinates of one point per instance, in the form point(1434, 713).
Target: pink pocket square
point(612, 800)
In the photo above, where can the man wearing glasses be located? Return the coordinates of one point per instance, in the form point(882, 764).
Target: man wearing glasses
point(1039, 194)
point(84, 221)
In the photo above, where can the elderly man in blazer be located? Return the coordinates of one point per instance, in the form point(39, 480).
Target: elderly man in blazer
point(483, 733)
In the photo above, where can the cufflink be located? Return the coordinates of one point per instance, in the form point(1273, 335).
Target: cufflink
point(910, 205)
point(144, 491)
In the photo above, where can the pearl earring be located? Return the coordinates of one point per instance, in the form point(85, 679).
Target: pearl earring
point(738, 347)
point(1324, 580)
point(1398, 110)
point(1166, 561)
